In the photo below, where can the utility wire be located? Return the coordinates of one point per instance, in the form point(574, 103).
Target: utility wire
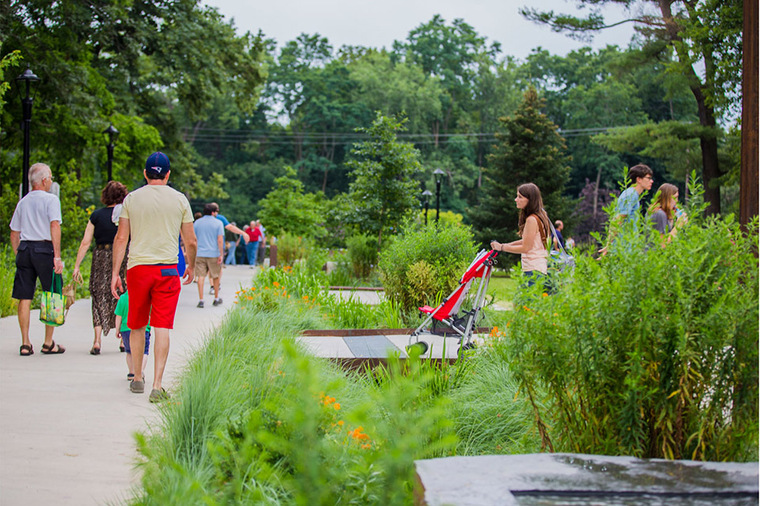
point(232, 136)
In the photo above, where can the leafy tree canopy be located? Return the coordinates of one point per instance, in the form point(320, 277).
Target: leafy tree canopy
point(383, 191)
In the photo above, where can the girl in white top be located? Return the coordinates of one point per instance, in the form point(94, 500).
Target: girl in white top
point(533, 230)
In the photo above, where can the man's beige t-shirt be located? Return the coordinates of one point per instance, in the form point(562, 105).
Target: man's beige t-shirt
point(156, 214)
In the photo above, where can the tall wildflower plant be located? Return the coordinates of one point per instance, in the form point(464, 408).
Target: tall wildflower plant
point(651, 351)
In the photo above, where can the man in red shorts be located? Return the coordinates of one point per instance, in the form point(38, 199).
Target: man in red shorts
point(153, 217)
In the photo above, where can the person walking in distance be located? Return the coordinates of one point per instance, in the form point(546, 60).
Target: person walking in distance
point(627, 212)
point(210, 234)
point(252, 248)
point(231, 227)
point(36, 242)
point(151, 219)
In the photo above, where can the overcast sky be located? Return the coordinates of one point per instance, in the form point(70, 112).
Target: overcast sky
point(378, 23)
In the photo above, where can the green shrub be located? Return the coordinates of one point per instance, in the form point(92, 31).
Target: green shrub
point(362, 253)
point(343, 273)
point(291, 248)
point(650, 352)
point(7, 273)
point(424, 263)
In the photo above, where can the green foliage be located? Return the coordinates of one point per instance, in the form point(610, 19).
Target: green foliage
point(531, 150)
point(383, 191)
point(148, 67)
point(287, 209)
point(362, 254)
point(682, 35)
point(651, 351)
point(7, 273)
point(259, 421)
point(291, 248)
point(74, 217)
point(394, 89)
point(675, 143)
point(425, 263)
point(488, 411)
point(8, 61)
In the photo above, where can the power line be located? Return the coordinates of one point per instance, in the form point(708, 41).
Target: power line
point(232, 136)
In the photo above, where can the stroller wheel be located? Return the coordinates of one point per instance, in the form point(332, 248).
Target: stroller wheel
point(469, 346)
point(417, 349)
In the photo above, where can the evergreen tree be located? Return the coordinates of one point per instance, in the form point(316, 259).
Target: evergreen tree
point(530, 150)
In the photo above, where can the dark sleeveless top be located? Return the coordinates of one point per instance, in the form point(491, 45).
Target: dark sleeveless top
point(105, 230)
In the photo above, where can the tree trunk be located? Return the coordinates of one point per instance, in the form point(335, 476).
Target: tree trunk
point(748, 191)
point(709, 141)
point(710, 166)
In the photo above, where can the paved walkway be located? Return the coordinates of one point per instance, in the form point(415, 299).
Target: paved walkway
point(67, 421)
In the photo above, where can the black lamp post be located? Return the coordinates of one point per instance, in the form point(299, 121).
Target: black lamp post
point(426, 196)
point(27, 78)
point(113, 135)
point(438, 173)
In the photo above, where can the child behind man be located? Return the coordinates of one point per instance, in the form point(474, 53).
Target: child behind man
point(122, 308)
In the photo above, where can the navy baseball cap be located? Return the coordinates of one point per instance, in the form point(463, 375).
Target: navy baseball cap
point(157, 164)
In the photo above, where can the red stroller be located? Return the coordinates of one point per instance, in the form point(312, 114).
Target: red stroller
point(447, 311)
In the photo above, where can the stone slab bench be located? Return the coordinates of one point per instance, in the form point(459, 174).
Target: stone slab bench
point(575, 479)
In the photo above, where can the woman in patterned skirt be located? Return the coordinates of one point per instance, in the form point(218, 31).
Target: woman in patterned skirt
point(102, 226)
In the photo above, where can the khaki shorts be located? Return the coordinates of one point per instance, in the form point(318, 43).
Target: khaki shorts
point(208, 265)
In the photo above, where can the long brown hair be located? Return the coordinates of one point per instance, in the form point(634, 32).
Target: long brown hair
point(535, 206)
point(665, 199)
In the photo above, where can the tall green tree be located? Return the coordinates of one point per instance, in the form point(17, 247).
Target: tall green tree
point(530, 150)
point(397, 88)
point(384, 191)
point(706, 32)
point(288, 209)
point(152, 68)
point(452, 53)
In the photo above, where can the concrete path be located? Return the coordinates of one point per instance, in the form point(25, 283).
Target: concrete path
point(67, 421)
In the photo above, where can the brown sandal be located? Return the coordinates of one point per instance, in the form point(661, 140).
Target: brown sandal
point(26, 347)
point(53, 349)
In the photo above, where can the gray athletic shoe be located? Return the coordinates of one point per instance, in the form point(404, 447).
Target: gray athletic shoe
point(200, 304)
point(137, 387)
point(157, 395)
point(217, 301)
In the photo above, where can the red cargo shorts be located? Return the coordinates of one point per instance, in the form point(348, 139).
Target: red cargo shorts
point(153, 295)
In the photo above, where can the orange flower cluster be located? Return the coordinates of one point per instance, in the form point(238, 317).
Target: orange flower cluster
point(357, 435)
point(250, 293)
point(329, 401)
point(496, 333)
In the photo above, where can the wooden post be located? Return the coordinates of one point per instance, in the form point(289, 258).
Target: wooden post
point(272, 255)
point(748, 192)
